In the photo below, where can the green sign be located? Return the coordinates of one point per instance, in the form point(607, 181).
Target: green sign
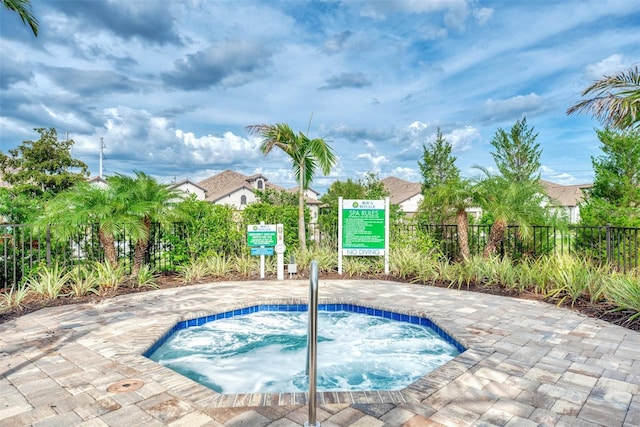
point(363, 227)
point(261, 235)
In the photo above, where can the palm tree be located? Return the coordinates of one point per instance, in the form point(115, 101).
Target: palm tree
point(83, 206)
point(23, 7)
point(509, 202)
point(452, 197)
point(617, 99)
point(143, 201)
point(306, 156)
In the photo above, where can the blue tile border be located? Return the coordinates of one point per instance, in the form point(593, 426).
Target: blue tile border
point(353, 308)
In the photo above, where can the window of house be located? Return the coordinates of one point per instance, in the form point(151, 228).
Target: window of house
point(243, 200)
point(259, 184)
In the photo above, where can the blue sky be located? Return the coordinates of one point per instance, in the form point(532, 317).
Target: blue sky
point(171, 85)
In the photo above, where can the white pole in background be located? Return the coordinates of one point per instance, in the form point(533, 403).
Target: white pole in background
point(340, 236)
point(386, 235)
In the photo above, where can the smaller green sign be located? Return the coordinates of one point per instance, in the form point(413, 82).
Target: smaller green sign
point(261, 235)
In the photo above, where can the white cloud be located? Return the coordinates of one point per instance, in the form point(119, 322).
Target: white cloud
point(483, 15)
point(462, 139)
point(408, 174)
point(514, 107)
point(609, 66)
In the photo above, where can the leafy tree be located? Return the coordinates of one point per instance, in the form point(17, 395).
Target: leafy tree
point(438, 171)
point(438, 164)
point(144, 202)
point(74, 211)
point(277, 197)
point(517, 154)
point(23, 8)
point(205, 229)
point(509, 202)
point(306, 156)
point(615, 196)
point(616, 100)
point(370, 187)
point(42, 168)
point(445, 194)
point(18, 209)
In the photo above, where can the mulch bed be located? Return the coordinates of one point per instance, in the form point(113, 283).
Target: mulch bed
point(599, 311)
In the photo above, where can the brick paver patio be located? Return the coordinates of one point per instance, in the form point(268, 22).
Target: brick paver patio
point(528, 364)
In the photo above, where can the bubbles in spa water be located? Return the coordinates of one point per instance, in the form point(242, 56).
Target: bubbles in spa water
point(266, 352)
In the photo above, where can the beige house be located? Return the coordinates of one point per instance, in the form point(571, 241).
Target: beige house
point(566, 198)
point(188, 187)
point(407, 195)
point(238, 190)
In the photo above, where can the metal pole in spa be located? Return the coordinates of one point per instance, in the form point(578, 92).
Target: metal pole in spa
point(312, 341)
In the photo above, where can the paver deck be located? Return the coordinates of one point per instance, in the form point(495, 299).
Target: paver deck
point(528, 364)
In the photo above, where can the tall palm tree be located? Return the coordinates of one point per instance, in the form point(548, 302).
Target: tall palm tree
point(509, 202)
point(617, 100)
point(144, 201)
point(23, 8)
point(83, 206)
point(306, 156)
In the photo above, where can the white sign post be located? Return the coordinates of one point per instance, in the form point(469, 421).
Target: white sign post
point(280, 248)
point(363, 229)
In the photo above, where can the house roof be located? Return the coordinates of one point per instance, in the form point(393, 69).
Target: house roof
point(186, 181)
point(400, 190)
point(96, 179)
point(565, 195)
point(227, 182)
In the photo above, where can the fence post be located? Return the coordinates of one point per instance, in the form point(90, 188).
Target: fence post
point(608, 242)
point(48, 245)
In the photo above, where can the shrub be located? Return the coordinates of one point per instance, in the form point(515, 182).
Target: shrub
point(48, 281)
point(82, 281)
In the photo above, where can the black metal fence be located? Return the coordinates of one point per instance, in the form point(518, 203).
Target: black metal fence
point(616, 246)
point(23, 248)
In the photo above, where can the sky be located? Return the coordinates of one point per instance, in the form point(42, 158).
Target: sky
point(169, 87)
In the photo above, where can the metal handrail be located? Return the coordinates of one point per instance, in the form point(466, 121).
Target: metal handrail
point(312, 341)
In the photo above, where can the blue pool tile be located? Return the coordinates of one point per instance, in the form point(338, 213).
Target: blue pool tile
point(423, 321)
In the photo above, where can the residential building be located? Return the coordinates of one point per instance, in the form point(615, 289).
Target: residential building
point(566, 198)
point(98, 181)
point(188, 187)
point(238, 190)
point(405, 194)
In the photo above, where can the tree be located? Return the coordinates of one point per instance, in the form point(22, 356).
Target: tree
point(144, 201)
point(75, 210)
point(438, 164)
point(18, 209)
point(448, 200)
point(205, 229)
point(615, 196)
point(509, 202)
point(446, 195)
point(277, 197)
point(438, 170)
point(42, 168)
point(616, 100)
point(23, 8)
point(306, 156)
point(517, 155)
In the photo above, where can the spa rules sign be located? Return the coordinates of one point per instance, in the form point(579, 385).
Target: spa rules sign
point(363, 229)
